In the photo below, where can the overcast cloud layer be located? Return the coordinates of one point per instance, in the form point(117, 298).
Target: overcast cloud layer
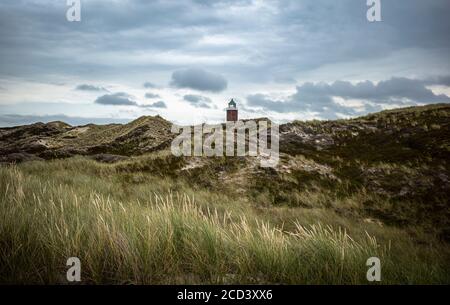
point(286, 59)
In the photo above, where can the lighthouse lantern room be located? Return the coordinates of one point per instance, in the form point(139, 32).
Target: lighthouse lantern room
point(232, 112)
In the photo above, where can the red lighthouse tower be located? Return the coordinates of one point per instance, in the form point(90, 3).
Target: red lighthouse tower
point(232, 112)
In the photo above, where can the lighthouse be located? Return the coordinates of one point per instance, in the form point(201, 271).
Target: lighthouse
point(232, 112)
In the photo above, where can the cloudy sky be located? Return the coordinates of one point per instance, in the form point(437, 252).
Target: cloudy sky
point(184, 59)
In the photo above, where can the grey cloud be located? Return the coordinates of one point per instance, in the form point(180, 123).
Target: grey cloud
point(318, 97)
point(116, 99)
point(439, 80)
point(151, 95)
point(198, 79)
point(198, 100)
point(106, 28)
point(159, 104)
point(124, 99)
point(87, 87)
point(272, 36)
point(384, 92)
point(325, 107)
point(149, 85)
point(265, 102)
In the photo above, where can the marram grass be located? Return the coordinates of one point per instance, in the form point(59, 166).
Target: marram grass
point(55, 210)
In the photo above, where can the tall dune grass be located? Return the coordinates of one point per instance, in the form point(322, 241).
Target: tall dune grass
point(55, 210)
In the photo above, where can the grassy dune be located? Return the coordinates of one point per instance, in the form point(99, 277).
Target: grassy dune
point(129, 224)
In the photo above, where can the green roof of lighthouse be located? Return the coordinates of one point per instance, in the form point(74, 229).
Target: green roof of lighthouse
point(232, 103)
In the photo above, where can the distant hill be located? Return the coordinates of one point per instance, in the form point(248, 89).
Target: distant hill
point(60, 140)
point(394, 135)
